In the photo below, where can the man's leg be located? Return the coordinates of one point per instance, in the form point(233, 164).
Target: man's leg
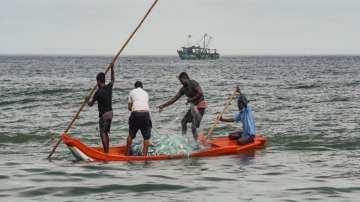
point(132, 133)
point(235, 135)
point(187, 118)
point(105, 141)
point(128, 144)
point(196, 120)
point(196, 114)
point(145, 148)
point(146, 133)
point(245, 139)
point(107, 131)
point(194, 132)
point(104, 130)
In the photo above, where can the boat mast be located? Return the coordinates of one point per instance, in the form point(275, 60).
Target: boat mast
point(204, 48)
point(204, 39)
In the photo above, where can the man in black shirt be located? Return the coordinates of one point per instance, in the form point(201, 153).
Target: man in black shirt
point(103, 96)
point(195, 95)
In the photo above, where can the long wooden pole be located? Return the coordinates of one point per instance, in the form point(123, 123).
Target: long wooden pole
point(107, 69)
point(217, 120)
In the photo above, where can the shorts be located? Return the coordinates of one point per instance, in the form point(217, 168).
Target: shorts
point(241, 139)
point(140, 121)
point(195, 119)
point(104, 125)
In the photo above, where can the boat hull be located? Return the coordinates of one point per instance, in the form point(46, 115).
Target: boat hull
point(198, 56)
point(218, 147)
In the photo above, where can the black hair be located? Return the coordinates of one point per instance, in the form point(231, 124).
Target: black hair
point(242, 102)
point(184, 75)
point(138, 84)
point(101, 77)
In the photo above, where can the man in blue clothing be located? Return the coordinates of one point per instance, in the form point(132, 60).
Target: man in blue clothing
point(244, 116)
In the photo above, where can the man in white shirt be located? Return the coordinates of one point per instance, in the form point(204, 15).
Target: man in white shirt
point(140, 117)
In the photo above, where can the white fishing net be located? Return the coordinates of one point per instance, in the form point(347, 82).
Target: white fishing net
point(166, 144)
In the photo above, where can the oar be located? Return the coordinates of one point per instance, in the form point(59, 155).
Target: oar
point(227, 104)
point(107, 69)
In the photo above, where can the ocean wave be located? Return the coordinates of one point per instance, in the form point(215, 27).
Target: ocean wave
point(315, 143)
point(24, 138)
point(70, 191)
point(303, 86)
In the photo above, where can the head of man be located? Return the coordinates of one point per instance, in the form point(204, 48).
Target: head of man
point(100, 79)
point(184, 78)
point(242, 102)
point(138, 84)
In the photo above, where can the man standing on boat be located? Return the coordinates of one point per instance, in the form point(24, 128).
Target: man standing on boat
point(193, 91)
point(140, 116)
point(103, 96)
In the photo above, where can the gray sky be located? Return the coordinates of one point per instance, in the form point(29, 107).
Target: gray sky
point(239, 27)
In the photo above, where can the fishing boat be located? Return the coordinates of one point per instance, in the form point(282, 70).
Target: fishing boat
point(217, 147)
point(196, 52)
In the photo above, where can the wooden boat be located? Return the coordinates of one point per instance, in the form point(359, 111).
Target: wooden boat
point(218, 147)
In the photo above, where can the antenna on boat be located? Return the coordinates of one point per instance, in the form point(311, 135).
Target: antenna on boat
point(107, 69)
point(205, 35)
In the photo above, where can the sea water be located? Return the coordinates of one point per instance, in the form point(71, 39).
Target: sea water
point(307, 106)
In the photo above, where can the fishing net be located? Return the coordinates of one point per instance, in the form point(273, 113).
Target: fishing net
point(164, 144)
point(168, 145)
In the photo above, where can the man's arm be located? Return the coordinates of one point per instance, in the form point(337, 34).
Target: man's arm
point(237, 92)
point(130, 102)
point(89, 103)
point(171, 101)
point(112, 73)
point(92, 101)
point(227, 119)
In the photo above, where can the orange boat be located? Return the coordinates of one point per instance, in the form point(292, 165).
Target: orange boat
point(218, 146)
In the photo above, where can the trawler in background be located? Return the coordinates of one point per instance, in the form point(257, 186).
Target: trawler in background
point(196, 52)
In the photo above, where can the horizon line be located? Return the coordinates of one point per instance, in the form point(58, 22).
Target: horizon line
point(172, 55)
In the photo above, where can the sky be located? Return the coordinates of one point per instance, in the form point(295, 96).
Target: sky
point(238, 27)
